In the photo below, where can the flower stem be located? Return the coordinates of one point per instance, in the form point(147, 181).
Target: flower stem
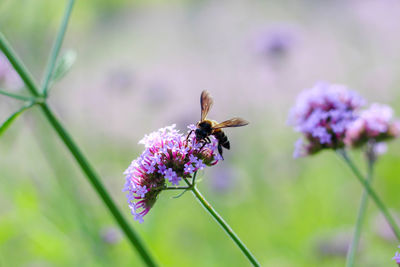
point(360, 217)
point(18, 66)
point(76, 153)
point(372, 194)
point(97, 185)
point(222, 223)
point(56, 48)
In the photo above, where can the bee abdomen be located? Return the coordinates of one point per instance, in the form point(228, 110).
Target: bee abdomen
point(222, 139)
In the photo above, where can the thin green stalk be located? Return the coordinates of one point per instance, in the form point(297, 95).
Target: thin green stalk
point(225, 226)
point(15, 96)
point(360, 218)
point(371, 193)
point(221, 221)
point(98, 186)
point(77, 154)
point(56, 48)
point(176, 188)
point(18, 65)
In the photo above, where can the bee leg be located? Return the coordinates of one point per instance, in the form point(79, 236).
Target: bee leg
point(205, 142)
point(187, 137)
point(220, 150)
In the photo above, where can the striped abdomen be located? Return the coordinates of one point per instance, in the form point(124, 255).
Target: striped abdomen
point(222, 140)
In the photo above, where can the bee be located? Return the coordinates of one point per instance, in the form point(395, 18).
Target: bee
point(206, 127)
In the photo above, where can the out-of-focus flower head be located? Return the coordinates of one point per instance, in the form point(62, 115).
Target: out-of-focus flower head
point(323, 114)
point(111, 235)
point(168, 158)
point(397, 257)
point(8, 77)
point(275, 43)
point(374, 124)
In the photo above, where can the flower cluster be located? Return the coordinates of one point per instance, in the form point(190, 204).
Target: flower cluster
point(329, 116)
point(376, 123)
point(322, 114)
point(168, 158)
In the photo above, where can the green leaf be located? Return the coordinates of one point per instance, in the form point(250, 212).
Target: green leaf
point(11, 119)
point(64, 65)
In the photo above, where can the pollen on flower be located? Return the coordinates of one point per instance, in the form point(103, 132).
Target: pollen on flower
point(169, 157)
point(322, 115)
point(375, 123)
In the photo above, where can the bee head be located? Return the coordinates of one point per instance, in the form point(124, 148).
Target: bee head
point(200, 133)
point(204, 129)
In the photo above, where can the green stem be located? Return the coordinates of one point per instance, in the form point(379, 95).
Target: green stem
point(360, 218)
point(18, 66)
point(56, 48)
point(97, 185)
point(221, 222)
point(15, 96)
point(77, 154)
point(372, 194)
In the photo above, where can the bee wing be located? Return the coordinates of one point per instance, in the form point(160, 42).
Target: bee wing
point(234, 122)
point(206, 103)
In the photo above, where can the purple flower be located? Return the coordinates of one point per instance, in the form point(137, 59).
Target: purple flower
point(171, 176)
point(189, 168)
point(275, 43)
point(397, 257)
point(379, 148)
point(375, 123)
point(161, 169)
point(322, 114)
point(111, 235)
point(299, 149)
point(168, 158)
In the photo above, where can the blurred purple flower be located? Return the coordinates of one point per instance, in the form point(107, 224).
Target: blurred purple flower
point(8, 76)
point(376, 123)
point(323, 114)
point(168, 157)
point(383, 229)
point(397, 257)
point(379, 148)
point(111, 235)
point(224, 179)
point(120, 78)
point(334, 245)
point(274, 43)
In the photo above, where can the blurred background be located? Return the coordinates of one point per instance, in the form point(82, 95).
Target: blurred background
point(141, 65)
